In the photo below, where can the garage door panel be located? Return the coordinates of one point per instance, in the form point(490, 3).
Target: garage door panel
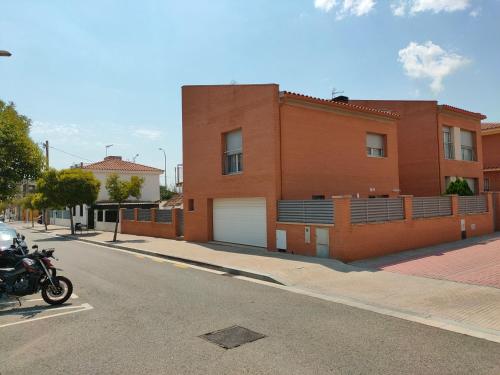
point(240, 220)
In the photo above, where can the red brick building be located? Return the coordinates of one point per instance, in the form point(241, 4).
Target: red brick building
point(247, 146)
point(491, 156)
point(436, 143)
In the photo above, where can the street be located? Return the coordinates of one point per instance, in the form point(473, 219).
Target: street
point(136, 314)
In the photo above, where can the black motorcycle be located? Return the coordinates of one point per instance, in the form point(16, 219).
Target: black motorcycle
point(29, 274)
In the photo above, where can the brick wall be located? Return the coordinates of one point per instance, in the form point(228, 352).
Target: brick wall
point(150, 228)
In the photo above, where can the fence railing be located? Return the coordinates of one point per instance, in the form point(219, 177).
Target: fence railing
point(143, 214)
point(472, 205)
point(431, 207)
point(306, 211)
point(163, 216)
point(128, 214)
point(373, 210)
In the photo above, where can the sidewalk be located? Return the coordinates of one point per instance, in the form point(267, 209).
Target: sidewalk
point(463, 308)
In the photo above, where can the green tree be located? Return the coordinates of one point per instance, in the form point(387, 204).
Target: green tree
point(20, 157)
point(47, 193)
point(76, 187)
point(119, 191)
point(41, 203)
point(166, 193)
point(460, 187)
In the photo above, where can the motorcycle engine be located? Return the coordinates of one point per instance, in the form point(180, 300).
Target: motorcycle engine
point(20, 284)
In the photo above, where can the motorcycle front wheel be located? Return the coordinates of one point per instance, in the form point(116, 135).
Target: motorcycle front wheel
point(57, 295)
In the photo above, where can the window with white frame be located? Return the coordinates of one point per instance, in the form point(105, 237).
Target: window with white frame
point(375, 145)
point(449, 149)
point(468, 145)
point(233, 152)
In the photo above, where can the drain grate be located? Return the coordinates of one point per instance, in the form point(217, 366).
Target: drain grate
point(232, 337)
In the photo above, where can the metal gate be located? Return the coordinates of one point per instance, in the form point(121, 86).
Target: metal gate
point(180, 222)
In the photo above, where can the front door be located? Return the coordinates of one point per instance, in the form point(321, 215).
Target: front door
point(322, 243)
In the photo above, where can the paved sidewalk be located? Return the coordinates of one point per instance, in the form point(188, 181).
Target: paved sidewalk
point(464, 308)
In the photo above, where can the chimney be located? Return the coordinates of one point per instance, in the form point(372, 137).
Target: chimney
point(113, 158)
point(341, 99)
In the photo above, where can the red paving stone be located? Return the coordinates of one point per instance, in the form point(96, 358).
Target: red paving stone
point(477, 263)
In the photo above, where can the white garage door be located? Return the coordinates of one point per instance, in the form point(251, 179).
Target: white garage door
point(240, 220)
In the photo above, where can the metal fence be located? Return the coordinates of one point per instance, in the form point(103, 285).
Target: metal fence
point(163, 216)
point(306, 211)
point(431, 207)
point(128, 214)
point(143, 214)
point(376, 210)
point(472, 205)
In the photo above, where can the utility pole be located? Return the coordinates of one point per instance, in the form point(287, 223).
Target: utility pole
point(46, 146)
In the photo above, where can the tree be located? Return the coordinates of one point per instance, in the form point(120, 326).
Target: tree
point(460, 187)
point(119, 191)
point(166, 193)
point(20, 157)
point(76, 187)
point(41, 203)
point(47, 192)
point(27, 204)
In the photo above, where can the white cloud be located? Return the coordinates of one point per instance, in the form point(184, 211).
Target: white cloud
point(50, 129)
point(476, 12)
point(346, 7)
point(150, 134)
point(403, 7)
point(430, 61)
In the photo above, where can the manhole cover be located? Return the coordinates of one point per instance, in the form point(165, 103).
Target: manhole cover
point(232, 337)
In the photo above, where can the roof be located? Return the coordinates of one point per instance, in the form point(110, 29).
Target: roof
point(462, 111)
point(175, 201)
point(115, 163)
point(343, 105)
point(490, 125)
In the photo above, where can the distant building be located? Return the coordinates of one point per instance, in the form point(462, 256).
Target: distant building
point(491, 156)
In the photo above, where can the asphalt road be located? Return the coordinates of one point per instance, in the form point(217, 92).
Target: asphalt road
point(147, 316)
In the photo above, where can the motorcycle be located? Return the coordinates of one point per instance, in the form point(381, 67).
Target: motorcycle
point(32, 273)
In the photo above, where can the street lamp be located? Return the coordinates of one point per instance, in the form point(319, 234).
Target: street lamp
point(135, 157)
point(5, 53)
point(165, 156)
point(107, 146)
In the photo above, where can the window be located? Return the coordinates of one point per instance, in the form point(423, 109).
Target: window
point(472, 182)
point(449, 149)
point(111, 216)
point(233, 152)
point(81, 210)
point(468, 145)
point(486, 184)
point(190, 204)
point(318, 197)
point(99, 215)
point(375, 145)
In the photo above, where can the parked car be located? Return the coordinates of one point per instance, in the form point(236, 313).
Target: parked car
point(7, 234)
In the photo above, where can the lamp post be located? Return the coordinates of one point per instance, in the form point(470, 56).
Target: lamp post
point(135, 157)
point(165, 157)
point(5, 53)
point(107, 146)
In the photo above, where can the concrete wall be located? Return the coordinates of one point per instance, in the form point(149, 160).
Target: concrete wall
point(150, 189)
point(349, 242)
point(323, 152)
point(150, 228)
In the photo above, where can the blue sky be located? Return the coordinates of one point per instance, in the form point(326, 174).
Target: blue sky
point(109, 72)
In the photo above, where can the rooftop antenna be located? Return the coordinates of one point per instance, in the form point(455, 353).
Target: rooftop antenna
point(336, 92)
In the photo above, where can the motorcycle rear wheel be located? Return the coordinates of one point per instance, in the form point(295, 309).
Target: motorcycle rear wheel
point(58, 295)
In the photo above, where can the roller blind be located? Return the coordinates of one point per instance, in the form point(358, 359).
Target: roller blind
point(375, 141)
point(233, 141)
point(467, 138)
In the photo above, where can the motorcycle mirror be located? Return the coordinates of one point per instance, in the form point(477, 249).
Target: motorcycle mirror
point(23, 237)
point(18, 235)
point(34, 247)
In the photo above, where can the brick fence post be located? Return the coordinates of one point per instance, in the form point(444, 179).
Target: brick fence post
point(136, 214)
point(408, 206)
point(153, 215)
point(342, 225)
point(454, 204)
point(174, 221)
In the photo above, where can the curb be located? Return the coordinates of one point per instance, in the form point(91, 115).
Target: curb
point(228, 270)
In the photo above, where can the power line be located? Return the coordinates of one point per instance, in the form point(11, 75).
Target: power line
point(70, 154)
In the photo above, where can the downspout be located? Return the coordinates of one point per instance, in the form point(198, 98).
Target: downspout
point(439, 151)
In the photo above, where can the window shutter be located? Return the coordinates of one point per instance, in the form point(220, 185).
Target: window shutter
point(375, 141)
point(233, 141)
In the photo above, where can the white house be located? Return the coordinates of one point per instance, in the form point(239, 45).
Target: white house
point(102, 214)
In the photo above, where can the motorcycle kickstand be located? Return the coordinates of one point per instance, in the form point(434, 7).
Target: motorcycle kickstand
point(19, 301)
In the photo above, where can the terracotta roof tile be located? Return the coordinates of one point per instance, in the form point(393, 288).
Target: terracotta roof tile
point(349, 106)
point(115, 163)
point(462, 111)
point(490, 125)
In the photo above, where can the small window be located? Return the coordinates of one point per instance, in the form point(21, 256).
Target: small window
point(468, 145)
point(190, 204)
point(449, 149)
point(486, 184)
point(99, 215)
point(81, 210)
point(111, 216)
point(318, 197)
point(233, 152)
point(375, 145)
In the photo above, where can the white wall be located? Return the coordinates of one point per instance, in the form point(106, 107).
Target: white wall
point(150, 189)
point(104, 226)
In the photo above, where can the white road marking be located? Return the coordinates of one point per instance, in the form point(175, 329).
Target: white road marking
point(73, 296)
point(75, 309)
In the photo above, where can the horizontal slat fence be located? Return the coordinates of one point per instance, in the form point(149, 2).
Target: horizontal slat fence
point(431, 207)
point(128, 214)
point(306, 211)
point(472, 205)
point(376, 210)
point(163, 216)
point(143, 214)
